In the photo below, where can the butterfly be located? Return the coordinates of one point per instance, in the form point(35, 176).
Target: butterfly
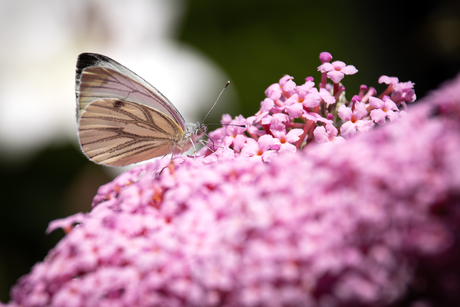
point(122, 119)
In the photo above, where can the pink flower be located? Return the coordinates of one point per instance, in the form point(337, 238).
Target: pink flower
point(288, 86)
point(326, 96)
point(287, 139)
point(65, 223)
point(337, 70)
point(265, 148)
point(265, 107)
point(328, 134)
point(388, 80)
point(401, 92)
point(312, 99)
point(293, 107)
point(273, 92)
point(325, 57)
point(285, 80)
point(354, 120)
point(385, 108)
point(304, 89)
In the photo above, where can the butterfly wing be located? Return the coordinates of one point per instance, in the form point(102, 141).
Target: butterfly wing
point(99, 77)
point(115, 132)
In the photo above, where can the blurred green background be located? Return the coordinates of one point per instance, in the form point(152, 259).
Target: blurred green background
point(253, 43)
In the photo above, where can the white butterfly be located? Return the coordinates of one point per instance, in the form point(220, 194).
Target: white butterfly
point(122, 119)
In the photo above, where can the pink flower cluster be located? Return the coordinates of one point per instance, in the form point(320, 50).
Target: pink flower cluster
point(372, 221)
point(292, 116)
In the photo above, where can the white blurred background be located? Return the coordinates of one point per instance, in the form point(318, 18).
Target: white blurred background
point(40, 42)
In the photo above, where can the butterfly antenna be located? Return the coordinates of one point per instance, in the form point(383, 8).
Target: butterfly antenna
point(202, 122)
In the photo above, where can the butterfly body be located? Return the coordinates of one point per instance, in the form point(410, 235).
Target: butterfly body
point(122, 119)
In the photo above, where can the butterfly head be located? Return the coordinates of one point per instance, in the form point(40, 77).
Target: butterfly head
point(195, 131)
point(192, 133)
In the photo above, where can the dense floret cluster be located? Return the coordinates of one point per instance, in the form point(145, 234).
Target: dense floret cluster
point(295, 206)
point(293, 116)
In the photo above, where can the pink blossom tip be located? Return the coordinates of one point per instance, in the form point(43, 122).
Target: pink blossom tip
point(325, 57)
point(355, 98)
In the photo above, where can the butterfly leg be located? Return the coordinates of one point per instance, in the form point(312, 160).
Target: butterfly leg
point(170, 166)
point(194, 148)
point(206, 145)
